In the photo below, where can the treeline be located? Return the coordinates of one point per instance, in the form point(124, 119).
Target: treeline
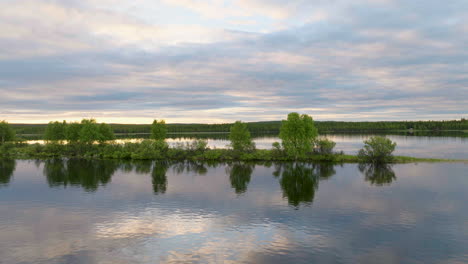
point(272, 127)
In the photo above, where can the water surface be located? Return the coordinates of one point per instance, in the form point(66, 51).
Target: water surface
point(76, 211)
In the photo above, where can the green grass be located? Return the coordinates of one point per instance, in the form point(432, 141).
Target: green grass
point(151, 150)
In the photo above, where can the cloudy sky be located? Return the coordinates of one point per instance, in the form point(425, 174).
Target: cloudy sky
point(224, 60)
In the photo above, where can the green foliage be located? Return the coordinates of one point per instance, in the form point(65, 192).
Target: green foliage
point(325, 146)
point(56, 131)
point(6, 132)
point(298, 134)
point(150, 150)
point(7, 150)
point(158, 130)
point(89, 132)
point(106, 133)
point(240, 138)
point(72, 132)
point(377, 150)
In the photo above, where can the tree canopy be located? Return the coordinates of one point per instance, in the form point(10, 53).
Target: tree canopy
point(158, 130)
point(298, 134)
point(240, 137)
point(56, 131)
point(6, 132)
point(377, 150)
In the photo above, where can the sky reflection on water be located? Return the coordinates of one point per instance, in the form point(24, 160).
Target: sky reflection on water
point(79, 211)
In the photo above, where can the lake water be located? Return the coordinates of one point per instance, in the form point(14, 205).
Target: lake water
point(77, 211)
point(444, 147)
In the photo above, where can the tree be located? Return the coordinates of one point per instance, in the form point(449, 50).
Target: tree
point(240, 137)
point(72, 132)
point(298, 134)
point(6, 132)
point(106, 133)
point(325, 146)
point(56, 131)
point(377, 150)
point(89, 132)
point(158, 130)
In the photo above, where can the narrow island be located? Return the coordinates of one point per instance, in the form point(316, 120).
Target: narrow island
point(298, 133)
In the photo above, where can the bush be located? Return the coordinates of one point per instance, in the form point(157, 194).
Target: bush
point(377, 150)
point(325, 146)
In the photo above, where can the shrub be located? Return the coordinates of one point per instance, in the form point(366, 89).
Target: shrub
point(377, 150)
point(325, 146)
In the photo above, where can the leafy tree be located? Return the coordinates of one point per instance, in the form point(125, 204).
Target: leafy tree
point(298, 134)
point(6, 132)
point(158, 130)
point(377, 150)
point(56, 131)
point(89, 132)
point(72, 132)
point(240, 137)
point(325, 146)
point(106, 133)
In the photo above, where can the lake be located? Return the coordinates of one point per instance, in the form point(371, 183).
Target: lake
point(448, 145)
point(444, 147)
point(78, 211)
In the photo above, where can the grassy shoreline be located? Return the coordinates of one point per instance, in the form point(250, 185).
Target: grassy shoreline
point(154, 151)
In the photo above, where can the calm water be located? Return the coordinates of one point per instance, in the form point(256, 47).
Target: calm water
point(146, 212)
point(445, 147)
point(448, 147)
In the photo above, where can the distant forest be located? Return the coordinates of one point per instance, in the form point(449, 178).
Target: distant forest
point(274, 126)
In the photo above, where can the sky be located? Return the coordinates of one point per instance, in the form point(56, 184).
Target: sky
point(212, 61)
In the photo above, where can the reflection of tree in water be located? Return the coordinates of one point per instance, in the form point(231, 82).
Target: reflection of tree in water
point(190, 166)
point(378, 174)
point(7, 167)
point(299, 181)
point(159, 178)
point(88, 174)
point(142, 166)
point(239, 174)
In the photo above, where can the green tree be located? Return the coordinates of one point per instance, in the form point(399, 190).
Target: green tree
point(56, 131)
point(377, 150)
point(325, 146)
point(89, 132)
point(106, 133)
point(72, 132)
point(6, 132)
point(158, 130)
point(298, 134)
point(240, 137)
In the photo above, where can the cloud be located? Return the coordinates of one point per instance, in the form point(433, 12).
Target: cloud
point(365, 60)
